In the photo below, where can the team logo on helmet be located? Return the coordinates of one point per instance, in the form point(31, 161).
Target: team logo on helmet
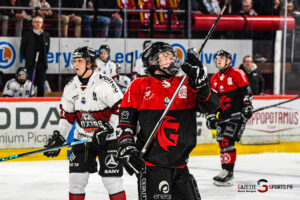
point(7, 55)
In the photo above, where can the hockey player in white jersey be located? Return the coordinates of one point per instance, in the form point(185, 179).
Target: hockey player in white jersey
point(106, 66)
point(18, 86)
point(123, 81)
point(138, 68)
point(91, 100)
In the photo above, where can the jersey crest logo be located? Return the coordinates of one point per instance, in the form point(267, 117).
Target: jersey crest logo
point(168, 127)
point(148, 93)
point(225, 103)
point(166, 84)
point(229, 81)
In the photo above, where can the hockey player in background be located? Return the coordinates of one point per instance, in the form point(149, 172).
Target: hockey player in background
point(166, 175)
point(139, 68)
point(18, 86)
point(236, 99)
point(106, 66)
point(92, 101)
point(122, 81)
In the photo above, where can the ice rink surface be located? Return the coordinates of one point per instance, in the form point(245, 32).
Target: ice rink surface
point(48, 180)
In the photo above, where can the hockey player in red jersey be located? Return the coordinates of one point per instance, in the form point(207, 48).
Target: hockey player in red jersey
point(236, 99)
point(163, 171)
point(92, 101)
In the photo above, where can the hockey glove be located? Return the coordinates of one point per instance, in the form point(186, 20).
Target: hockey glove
point(195, 70)
point(131, 159)
point(247, 112)
point(55, 140)
point(100, 135)
point(211, 121)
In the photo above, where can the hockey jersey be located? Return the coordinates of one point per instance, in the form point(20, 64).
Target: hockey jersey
point(109, 69)
point(89, 107)
point(233, 89)
point(13, 88)
point(138, 68)
point(145, 101)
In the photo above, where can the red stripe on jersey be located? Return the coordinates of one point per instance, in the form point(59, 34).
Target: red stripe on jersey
point(116, 107)
point(103, 115)
point(124, 137)
point(70, 117)
point(122, 124)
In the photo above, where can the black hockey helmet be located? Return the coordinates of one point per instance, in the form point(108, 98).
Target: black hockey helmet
point(225, 53)
point(146, 44)
point(21, 71)
point(150, 55)
point(85, 52)
point(104, 47)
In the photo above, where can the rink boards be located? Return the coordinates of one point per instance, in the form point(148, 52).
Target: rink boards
point(26, 124)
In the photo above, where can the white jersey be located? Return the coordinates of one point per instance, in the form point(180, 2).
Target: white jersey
point(97, 103)
point(138, 68)
point(14, 89)
point(109, 69)
point(123, 82)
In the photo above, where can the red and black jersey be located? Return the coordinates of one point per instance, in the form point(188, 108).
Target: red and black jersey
point(232, 86)
point(144, 103)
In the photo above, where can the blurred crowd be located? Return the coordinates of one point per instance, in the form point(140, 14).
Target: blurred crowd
point(92, 23)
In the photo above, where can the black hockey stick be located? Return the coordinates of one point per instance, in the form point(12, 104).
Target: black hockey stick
point(33, 74)
point(148, 142)
point(238, 116)
point(44, 150)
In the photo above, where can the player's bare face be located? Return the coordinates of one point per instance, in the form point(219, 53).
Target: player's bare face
point(21, 78)
point(222, 62)
point(80, 65)
point(165, 59)
point(103, 56)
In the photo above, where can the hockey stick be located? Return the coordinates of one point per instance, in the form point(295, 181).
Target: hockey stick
point(259, 109)
point(33, 75)
point(44, 150)
point(131, 66)
point(148, 142)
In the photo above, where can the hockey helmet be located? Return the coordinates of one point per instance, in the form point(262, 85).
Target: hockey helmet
point(85, 52)
point(21, 71)
point(146, 43)
point(150, 56)
point(225, 53)
point(104, 48)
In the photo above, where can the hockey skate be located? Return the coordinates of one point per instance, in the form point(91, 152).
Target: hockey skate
point(224, 178)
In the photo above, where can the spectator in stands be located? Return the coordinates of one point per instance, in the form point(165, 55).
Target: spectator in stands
point(210, 7)
point(36, 40)
point(41, 4)
point(270, 7)
point(107, 18)
point(71, 17)
point(256, 81)
point(87, 19)
point(247, 8)
point(18, 86)
point(12, 15)
point(233, 7)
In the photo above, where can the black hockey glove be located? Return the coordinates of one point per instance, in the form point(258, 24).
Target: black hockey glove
point(131, 159)
point(195, 70)
point(211, 121)
point(55, 140)
point(247, 111)
point(100, 135)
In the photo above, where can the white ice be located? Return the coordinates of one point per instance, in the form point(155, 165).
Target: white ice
point(48, 180)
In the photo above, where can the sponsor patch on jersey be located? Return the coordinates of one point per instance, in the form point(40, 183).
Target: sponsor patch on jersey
point(183, 92)
point(110, 82)
point(166, 84)
point(94, 96)
point(124, 114)
point(167, 101)
point(221, 88)
point(111, 161)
